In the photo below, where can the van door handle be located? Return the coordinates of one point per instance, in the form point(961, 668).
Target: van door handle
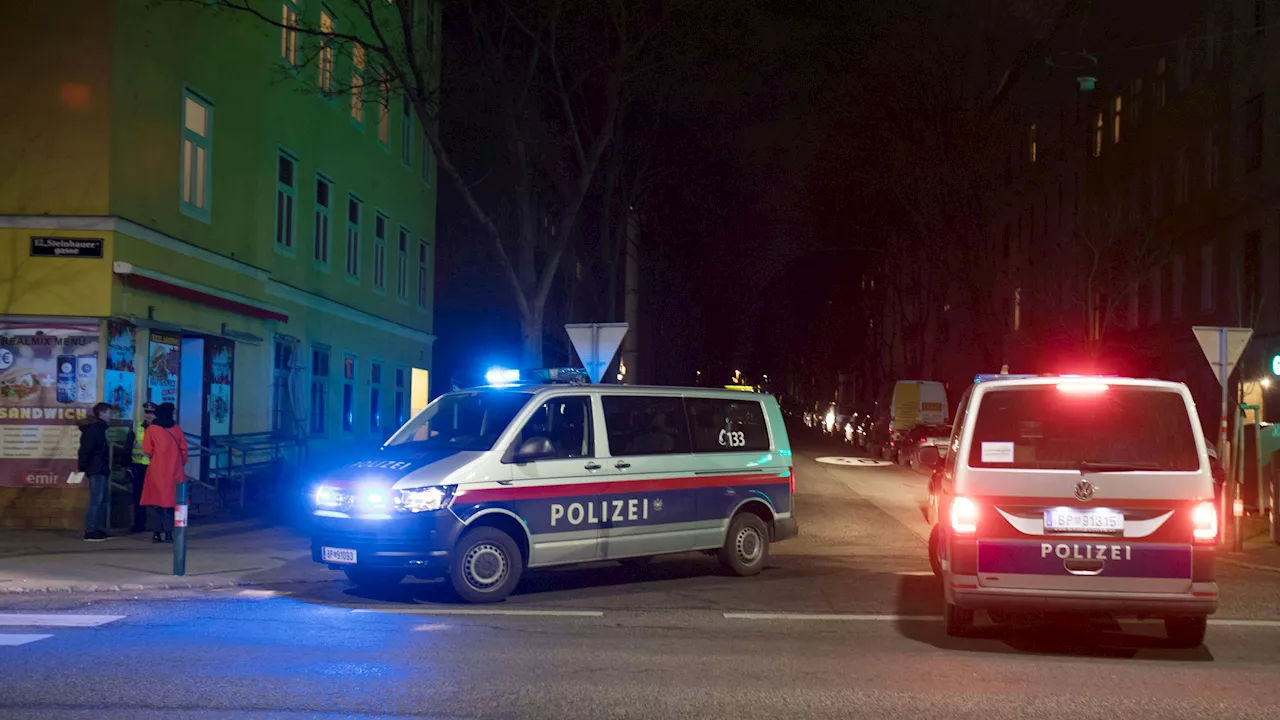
point(591, 466)
point(622, 465)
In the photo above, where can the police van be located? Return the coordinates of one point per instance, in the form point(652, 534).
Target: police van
point(486, 483)
point(1076, 494)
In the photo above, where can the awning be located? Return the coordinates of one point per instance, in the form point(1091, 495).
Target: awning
point(162, 284)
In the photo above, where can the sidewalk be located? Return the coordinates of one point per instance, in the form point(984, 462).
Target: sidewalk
point(218, 555)
point(1260, 552)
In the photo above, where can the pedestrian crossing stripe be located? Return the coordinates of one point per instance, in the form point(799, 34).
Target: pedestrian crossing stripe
point(21, 639)
point(55, 620)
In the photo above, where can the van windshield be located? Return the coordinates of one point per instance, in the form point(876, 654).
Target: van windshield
point(1103, 428)
point(462, 421)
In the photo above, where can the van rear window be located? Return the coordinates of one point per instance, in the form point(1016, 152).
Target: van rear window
point(1112, 428)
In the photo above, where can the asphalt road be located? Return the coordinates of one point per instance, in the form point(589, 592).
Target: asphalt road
point(843, 624)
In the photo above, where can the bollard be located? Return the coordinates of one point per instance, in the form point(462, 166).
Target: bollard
point(180, 531)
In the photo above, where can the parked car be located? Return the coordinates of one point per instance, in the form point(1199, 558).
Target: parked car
point(922, 436)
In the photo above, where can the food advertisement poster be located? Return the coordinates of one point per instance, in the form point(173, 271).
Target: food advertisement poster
point(118, 371)
point(221, 360)
point(164, 360)
point(48, 385)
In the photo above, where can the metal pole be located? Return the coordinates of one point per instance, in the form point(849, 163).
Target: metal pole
point(180, 531)
point(1237, 475)
point(1257, 448)
point(1227, 497)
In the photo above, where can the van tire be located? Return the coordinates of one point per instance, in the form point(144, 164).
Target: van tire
point(959, 621)
point(1186, 632)
point(935, 560)
point(746, 545)
point(486, 566)
point(372, 577)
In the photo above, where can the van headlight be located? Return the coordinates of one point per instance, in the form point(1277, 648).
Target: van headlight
point(331, 497)
point(426, 499)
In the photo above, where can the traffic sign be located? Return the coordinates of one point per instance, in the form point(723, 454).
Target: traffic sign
point(596, 344)
point(1215, 346)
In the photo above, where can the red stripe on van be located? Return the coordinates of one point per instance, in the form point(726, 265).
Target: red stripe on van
point(692, 482)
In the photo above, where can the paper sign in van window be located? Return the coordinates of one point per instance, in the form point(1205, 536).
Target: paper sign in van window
point(997, 452)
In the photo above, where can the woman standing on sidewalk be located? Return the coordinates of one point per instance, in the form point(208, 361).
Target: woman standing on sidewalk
point(166, 444)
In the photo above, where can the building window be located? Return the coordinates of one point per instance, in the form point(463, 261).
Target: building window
point(1253, 115)
point(324, 198)
point(1156, 299)
point(402, 265)
point(282, 411)
point(406, 131)
point(380, 252)
point(422, 274)
point(348, 393)
point(1210, 41)
point(1117, 114)
point(325, 59)
point(1017, 309)
point(375, 399)
point(357, 84)
point(428, 161)
point(197, 148)
point(1176, 288)
point(1182, 186)
point(401, 406)
point(1206, 278)
point(1097, 136)
point(289, 33)
point(319, 389)
point(1212, 157)
point(1161, 91)
point(354, 208)
point(286, 197)
point(384, 109)
point(1031, 141)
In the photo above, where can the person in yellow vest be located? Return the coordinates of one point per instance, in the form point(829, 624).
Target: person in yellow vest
point(139, 463)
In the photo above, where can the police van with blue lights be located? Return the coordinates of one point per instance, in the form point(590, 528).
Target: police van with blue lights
point(486, 483)
point(1088, 494)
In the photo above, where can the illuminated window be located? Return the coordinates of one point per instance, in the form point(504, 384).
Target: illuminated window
point(424, 286)
point(324, 213)
point(1117, 115)
point(1031, 141)
point(384, 109)
point(325, 59)
point(197, 146)
point(402, 264)
point(286, 198)
point(289, 32)
point(1017, 309)
point(357, 83)
point(354, 210)
point(1097, 137)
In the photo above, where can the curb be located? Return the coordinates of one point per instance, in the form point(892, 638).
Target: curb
point(1251, 566)
point(133, 587)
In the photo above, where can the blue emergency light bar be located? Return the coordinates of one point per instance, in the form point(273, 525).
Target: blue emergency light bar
point(988, 377)
point(500, 377)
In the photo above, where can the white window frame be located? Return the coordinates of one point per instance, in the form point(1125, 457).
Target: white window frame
point(424, 257)
point(358, 62)
point(348, 422)
point(289, 33)
point(406, 132)
point(375, 397)
point(318, 412)
point(199, 145)
point(352, 257)
point(322, 231)
point(384, 109)
point(286, 198)
point(325, 58)
point(403, 239)
point(380, 252)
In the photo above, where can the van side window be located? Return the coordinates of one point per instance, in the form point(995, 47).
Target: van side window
point(566, 422)
point(956, 430)
point(727, 425)
point(645, 425)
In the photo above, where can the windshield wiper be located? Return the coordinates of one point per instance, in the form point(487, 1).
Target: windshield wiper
point(1089, 466)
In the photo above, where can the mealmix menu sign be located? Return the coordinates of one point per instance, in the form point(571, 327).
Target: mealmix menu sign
point(48, 385)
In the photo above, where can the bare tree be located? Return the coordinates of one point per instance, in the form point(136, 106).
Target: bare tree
point(554, 74)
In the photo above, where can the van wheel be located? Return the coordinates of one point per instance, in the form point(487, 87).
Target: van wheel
point(486, 566)
point(746, 546)
point(935, 562)
point(1186, 632)
point(959, 621)
point(372, 577)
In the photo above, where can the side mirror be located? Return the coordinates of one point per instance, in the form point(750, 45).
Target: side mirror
point(534, 448)
point(929, 457)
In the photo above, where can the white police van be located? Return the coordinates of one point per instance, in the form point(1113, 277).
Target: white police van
point(485, 483)
point(1076, 494)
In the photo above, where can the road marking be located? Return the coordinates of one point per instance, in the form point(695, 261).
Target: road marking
point(854, 461)
point(1246, 623)
point(831, 617)
point(11, 640)
point(261, 594)
point(477, 611)
point(32, 620)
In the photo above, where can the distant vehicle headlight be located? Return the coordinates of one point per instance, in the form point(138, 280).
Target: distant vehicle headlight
point(425, 499)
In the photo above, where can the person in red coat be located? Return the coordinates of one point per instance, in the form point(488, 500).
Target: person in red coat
point(166, 444)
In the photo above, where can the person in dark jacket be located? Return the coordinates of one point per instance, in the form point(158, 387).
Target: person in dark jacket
point(95, 463)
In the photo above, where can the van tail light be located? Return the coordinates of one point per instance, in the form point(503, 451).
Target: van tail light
point(792, 473)
point(1204, 523)
point(964, 516)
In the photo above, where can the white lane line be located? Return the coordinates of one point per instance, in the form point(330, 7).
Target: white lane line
point(11, 640)
point(469, 611)
point(33, 620)
point(831, 617)
point(261, 594)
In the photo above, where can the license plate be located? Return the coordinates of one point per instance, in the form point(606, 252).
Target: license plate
point(338, 555)
point(1086, 521)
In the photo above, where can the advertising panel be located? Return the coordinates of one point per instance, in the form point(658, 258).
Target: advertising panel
point(220, 354)
point(118, 370)
point(48, 385)
point(164, 362)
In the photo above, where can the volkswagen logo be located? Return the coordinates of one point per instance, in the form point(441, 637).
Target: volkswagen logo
point(1084, 491)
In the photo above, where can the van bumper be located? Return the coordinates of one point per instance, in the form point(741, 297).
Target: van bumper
point(1202, 603)
point(419, 545)
point(785, 529)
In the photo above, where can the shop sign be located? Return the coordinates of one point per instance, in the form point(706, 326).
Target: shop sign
point(66, 247)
